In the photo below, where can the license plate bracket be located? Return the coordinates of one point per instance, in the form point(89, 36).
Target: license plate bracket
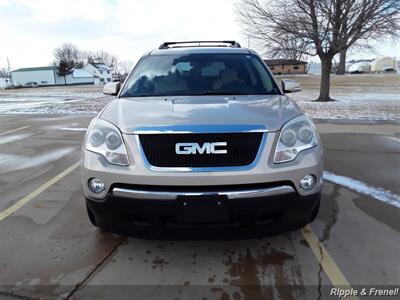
point(202, 209)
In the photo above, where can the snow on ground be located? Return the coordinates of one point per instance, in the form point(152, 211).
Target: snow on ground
point(54, 100)
point(16, 162)
point(74, 129)
point(363, 188)
point(370, 97)
point(362, 106)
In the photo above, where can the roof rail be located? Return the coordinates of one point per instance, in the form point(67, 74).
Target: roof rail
point(167, 45)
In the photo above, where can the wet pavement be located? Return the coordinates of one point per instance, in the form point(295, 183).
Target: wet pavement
point(49, 250)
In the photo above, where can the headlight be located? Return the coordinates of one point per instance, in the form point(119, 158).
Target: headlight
point(104, 138)
point(296, 135)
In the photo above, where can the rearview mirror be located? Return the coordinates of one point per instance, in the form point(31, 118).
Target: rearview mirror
point(112, 88)
point(290, 86)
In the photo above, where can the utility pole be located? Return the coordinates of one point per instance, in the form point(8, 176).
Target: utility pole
point(9, 71)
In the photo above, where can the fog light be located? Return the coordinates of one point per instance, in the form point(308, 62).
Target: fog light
point(308, 182)
point(96, 185)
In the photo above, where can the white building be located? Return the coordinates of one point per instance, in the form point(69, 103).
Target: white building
point(81, 76)
point(384, 64)
point(40, 75)
point(102, 71)
point(360, 67)
point(49, 76)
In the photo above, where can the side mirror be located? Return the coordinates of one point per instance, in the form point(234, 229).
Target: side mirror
point(290, 86)
point(112, 88)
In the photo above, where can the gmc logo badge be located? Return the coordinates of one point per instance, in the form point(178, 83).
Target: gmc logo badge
point(206, 148)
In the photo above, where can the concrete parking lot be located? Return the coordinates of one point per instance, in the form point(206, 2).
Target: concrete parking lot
point(48, 249)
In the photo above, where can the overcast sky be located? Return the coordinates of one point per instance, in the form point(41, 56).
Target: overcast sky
point(31, 29)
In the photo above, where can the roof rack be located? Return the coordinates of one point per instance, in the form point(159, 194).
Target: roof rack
point(167, 45)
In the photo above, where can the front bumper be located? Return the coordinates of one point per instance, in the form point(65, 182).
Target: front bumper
point(264, 170)
point(241, 211)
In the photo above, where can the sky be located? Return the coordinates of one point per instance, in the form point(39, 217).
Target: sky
point(30, 30)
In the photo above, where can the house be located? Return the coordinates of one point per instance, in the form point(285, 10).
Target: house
point(81, 76)
point(384, 64)
point(45, 76)
point(286, 66)
point(101, 70)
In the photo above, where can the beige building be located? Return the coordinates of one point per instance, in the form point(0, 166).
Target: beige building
point(286, 66)
point(384, 64)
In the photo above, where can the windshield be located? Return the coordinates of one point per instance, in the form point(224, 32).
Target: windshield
point(199, 74)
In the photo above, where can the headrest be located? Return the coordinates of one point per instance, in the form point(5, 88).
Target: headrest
point(228, 75)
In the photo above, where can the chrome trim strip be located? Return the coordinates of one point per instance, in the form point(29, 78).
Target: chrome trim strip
point(159, 195)
point(179, 129)
point(205, 169)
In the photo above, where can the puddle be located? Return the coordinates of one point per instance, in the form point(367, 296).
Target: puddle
point(246, 270)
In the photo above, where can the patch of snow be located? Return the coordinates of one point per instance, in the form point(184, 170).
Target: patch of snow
point(53, 101)
point(73, 129)
point(351, 104)
point(14, 138)
point(358, 101)
point(363, 188)
point(13, 162)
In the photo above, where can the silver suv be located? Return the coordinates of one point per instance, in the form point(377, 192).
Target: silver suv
point(201, 141)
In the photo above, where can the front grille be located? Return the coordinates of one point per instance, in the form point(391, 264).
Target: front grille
point(242, 149)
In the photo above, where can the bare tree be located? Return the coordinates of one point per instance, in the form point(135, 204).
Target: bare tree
point(326, 27)
point(285, 47)
point(63, 69)
point(341, 67)
point(4, 73)
point(67, 58)
point(68, 54)
point(122, 69)
point(105, 57)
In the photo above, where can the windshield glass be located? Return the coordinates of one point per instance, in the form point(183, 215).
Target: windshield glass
point(199, 74)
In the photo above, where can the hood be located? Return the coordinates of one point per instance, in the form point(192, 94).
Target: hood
point(269, 111)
